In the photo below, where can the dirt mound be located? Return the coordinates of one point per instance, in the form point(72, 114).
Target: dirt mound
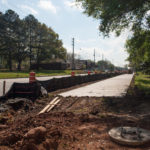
point(60, 131)
point(26, 132)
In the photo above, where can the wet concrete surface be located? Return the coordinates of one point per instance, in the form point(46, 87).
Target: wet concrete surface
point(112, 87)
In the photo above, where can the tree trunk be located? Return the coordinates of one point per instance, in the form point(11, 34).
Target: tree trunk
point(38, 59)
point(37, 64)
point(19, 65)
point(10, 62)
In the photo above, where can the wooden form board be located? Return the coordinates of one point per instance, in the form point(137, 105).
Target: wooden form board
point(50, 106)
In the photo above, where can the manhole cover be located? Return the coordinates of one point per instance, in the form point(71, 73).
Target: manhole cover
point(131, 136)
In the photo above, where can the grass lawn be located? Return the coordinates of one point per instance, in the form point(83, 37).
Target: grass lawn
point(142, 82)
point(23, 74)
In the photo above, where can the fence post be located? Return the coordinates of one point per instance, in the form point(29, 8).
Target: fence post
point(4, 87)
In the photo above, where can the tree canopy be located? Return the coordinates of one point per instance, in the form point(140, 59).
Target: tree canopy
point(138, 48)
point(105, 65)
point(27, 39)
point(116, 15)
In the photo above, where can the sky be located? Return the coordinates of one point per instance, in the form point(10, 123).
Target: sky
point(68, 20)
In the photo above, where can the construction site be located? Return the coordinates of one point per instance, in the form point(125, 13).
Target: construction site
point(72, 115)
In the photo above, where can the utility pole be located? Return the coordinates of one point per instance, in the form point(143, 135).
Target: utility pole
point(102, 62)
point(94, 58)
point(102, 57)
point(73, 64)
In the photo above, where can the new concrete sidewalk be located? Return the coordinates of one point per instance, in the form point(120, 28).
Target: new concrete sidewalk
point(112, 87)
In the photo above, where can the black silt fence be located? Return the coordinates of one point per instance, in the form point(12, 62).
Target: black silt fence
point(33, 90)
point(23, 90)
point(66, 82)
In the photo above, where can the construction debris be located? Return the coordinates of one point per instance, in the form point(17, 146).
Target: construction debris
point(131, 136)
point(50, 106)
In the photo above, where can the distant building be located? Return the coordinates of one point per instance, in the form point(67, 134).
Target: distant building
point(80, 64)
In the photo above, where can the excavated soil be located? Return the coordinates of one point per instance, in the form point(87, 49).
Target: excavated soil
point(74, 124)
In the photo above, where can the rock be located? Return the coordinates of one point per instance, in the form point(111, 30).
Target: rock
point(37, 133)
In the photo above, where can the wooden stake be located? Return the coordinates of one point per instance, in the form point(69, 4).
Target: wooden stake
point(4, 87)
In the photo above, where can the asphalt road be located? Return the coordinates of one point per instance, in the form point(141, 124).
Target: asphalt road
point(9, 82)
point(112, 87)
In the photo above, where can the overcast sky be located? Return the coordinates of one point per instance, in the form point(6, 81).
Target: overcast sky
point(67, 19)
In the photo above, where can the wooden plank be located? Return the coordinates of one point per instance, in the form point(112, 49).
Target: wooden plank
point(52, 106)
point(47, 106)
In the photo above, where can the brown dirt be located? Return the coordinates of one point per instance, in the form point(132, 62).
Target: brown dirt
point(75, 123)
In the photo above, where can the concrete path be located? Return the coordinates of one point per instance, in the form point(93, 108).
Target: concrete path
point(116, 86)
point(9, 82)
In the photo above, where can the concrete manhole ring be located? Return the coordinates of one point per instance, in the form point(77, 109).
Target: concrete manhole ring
point(131, 136)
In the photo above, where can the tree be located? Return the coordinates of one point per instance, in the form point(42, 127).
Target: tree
point(7, 35)
point(27, 39)
point(138, 48)
point(21, 44)
point(31, 25)
point(47, 44)
point(105, 65)
point(40, 49)
point(116, 15)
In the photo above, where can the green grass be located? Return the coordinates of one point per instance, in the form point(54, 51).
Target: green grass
point(23, 74)
point(142, 82)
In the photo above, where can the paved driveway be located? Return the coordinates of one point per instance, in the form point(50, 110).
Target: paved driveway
point(116, 86)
